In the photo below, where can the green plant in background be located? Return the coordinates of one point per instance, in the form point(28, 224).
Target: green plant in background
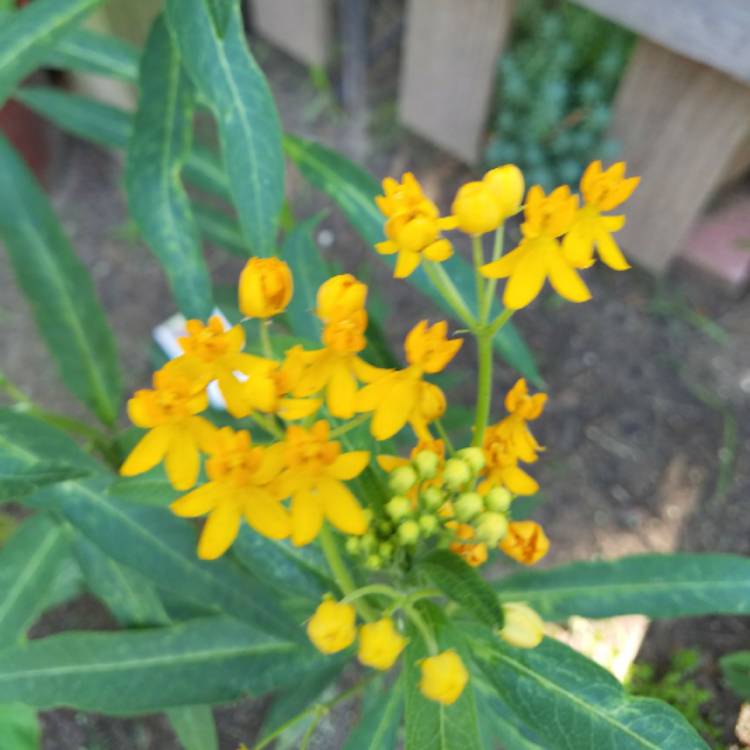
point(555, 88)
point(196, 633)
point(677, 686)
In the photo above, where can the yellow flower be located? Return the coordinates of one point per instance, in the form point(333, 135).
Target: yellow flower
point(473, 554)
point(602, 191)
point(340, 298)
point(507, 183)
point(380, 644)
point(314, 475)
point(239, 476)
point(413, 226)
point(444, 677)
point(332, 628)
point(522, 626)
point(539, 255)
point(428, 348)
point(476, 209)
point(212, 352)
point(525, 542)
point(266, 287)
point(175, 432)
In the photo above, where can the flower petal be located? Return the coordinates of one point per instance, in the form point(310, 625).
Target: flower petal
point(183, 460)
point(349, 465)
point(200, 501)
point(610, 252)
point(565, 279)
point(526, 281)
point(341, 507)
point(438, 251)
point(341, 391)
point(267, 516)
point(394, 409)
point(501, 269)
point(148, 451)
point(219, 531)
point(406, 264)
point(307, 518)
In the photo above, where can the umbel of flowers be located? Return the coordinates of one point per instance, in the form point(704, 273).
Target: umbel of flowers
point(299, 480)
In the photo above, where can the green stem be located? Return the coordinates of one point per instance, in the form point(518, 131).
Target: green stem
point(373, 588)
point(484, 385)
point(500, 321)
point(340, 572)
point(305, 743)
point(265, 339)
point(267, 424)
point(489, 293)
point(447, 289)
point(352, 424)
point(478, 252)
point(423, 628)
point(440, 427)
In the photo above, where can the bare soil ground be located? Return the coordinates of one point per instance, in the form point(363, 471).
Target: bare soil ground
point(648, 424)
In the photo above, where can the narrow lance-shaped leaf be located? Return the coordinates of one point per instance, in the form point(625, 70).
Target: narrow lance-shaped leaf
point(658, 586)
point(736, 670)
point(381, 718)
point(228, 77)
point(27, 36)
point(58, 288)
point(195, 727)
point(354, 191)
point(208, 661)
point(19, 727)
point(20, 477)
point(575, 704)
point(159, 145)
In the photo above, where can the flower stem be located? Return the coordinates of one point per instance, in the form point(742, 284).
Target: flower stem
point(440, 427)
point(478, 251)
point(267, 424)
point(340, 572)
point(265, 339)
point(447, 289)
point(489, 292)
point(423, 628)
point(484, 384)
point(352, 424)
point(373, 588)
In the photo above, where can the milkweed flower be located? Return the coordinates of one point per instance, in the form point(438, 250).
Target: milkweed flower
point(539, 256)
point(339, 298)
point(380, 644)
point(313, 478)
point(413, 227)
point(265, 287)
point(175, 433)
point(482, 206)
point(522, 626)
point(507, 183)
point(602, 190)
point(240, 475)
point(525, 542)
point(443, 678)
point(332, 628)
point(403, 396)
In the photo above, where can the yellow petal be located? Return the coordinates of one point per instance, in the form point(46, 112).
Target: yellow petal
point(578, 248)
point(392, 412)
point(267, 517)
point(406, 264)
point(438, 251)
point(610, 252)
point(349, 465)
point(386, 248)
point(518, 481)
point(526, 281)
point(341, 391)
point(369, 397)
point(501, 269)
point(236, 396)
point(307, 518)
point(565, 280)
point(389, 463)
point(341, 507)
point(198, 502)
point(183, 461)
point(291, 409)
point(149, 450)
point(203, 432)
point(219, 531)
point(271, 464)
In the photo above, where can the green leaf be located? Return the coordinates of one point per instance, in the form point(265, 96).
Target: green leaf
point(153, 490)
point(28, 564)
point(20, 477)
point(203, 662)
point(127, 595)
point(221, 229)
point(736, 670)
point(221, 13)
point(354, 191)
point(381, 718)
point(195, 727)
point(228, 77)
point(310, 271)
point(431, 725)
point(58, 288)
point(162, 548)
point(19, 728)
point(27, 35)
point(654, 585)
point(589, 706)
point(461, 583)
point(90, 52)
point(159, 146)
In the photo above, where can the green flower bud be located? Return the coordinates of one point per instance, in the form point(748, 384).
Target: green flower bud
point(457, 473)
point(398, 507)
point(426, 463)
point(498, 500)
point(428, 524)
point(368, 542)
point(385, 528)
point(385, 550)
point(352, 545)
point(433, 498)
point(374, 562)
point(368, 515)
point(491, 528)
point(401, 480)
point(474, 457)
point(468, 506)
point(408, 532)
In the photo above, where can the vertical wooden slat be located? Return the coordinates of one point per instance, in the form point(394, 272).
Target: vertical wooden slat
point(302, 28)
point(448, 69)
point(680, 123)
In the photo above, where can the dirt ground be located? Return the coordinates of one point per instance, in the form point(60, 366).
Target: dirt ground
point(648, 424)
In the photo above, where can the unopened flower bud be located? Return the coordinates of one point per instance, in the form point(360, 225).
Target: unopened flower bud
point(265, 287)
point(474, 457)
point(468, 506)
point(498, 500)
point(477, 208)
point(340, 297)
point(332, 627)
point(427, 463)
point(522, 626)
point(428, 524)
point(398, 507)
point(353, 545)
point(457, 473)
point(367, 542)
point(507, 184)
point(408, 532)
point(444, 677)
point(402, 479)
point(433, 498)
point(385, 550)
point(380, 644)
point(491, 528)
point(385, 528)
point(373, 562)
